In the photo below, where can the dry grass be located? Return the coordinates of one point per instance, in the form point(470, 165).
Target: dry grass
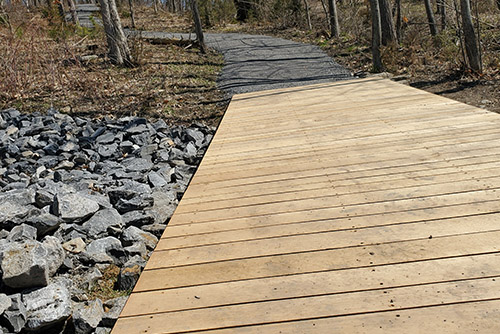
point(42, 66)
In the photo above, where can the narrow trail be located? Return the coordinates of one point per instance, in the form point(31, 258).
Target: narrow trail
point(257, 62)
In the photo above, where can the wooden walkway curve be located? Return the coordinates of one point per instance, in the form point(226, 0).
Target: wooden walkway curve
point(361, 206)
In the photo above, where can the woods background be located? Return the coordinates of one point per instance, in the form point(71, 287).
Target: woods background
point(445, 46)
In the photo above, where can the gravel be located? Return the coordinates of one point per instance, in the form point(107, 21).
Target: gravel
point(78, 196)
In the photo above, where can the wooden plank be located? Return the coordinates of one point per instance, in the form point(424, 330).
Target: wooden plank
point(459, 207)
point(353, 207)
point(170, 256)
point(182, 275)
point(335, 187)
point(473, 317)
point(353, 171)
point(323, 230)
point(334, 282)
point(346, 202)
point(355, 303)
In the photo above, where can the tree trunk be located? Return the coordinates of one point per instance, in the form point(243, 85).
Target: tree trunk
point(197, 26)
point(430, 17)
point(242, 10)
point(442, 12)
point(334, 19)
point(155, 6)
point(327, 15)
point(387, 25)
point(376, 36)
point(132, 14)
point(119, 53)
point(399, 20)
point(471, 43)
point(296, 9)
point(72, 10)
point(308, 15)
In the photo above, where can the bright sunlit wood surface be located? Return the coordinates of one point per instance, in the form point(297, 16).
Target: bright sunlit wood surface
point(362, 206)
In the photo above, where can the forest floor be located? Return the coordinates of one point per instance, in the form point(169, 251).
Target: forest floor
point(44, 65)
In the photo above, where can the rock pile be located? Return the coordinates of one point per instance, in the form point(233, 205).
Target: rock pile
point(80, 198)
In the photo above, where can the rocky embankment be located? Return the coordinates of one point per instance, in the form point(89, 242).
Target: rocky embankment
point(79, 199)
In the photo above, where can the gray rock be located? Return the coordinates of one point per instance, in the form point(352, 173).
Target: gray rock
point(128, 190)
point(102, 250)
point(55, 254)
point(15, 316)
point(148, 150)
point(24, 265)
point(47, 306)
point(156, 181)
point(44, 222)
point(136, 260)
point(74, 246)
point(69, 147)
point(74, 207)
point(128, 277)
point(15, 204)
point(137, 218)
point(107, 151)
point(136, 203)
point(106, 138)
point(140, 165)
point(22, 232)
point(165, 203)
point(195, 136)
point(102, 330)
point(137, 249)
point(155, 229)
point(114, 306)
point(31, 263)
point(102, 223)
point(87, 316)
point(43, 198)
point(133, 234)
point(5, 303)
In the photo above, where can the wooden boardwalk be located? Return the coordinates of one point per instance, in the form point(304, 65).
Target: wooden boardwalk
point(361, 206)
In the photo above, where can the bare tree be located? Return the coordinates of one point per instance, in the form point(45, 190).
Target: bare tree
point(430, 17)
point(387, 24)
point(334, 19)
point(399, 20)
point(442, 12)
point(119, 52)
point(308, 15)
point(132, 14)
point(376, 36)
point(197, 26)
point(471, 42)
